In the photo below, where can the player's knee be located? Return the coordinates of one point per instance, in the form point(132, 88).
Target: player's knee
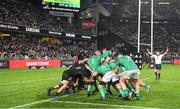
point(60, 85)
point(126, 81)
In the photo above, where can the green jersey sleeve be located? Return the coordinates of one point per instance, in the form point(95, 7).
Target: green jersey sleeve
point(94, 62)
point(104, 68)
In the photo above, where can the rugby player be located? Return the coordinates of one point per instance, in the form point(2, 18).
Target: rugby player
point(70, 77)
point(108, 54)
point(130, 84)
point(108, 72)
point(131, 72)
point(92, 65)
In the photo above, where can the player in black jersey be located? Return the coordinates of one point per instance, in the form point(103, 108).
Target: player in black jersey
point(70, 78)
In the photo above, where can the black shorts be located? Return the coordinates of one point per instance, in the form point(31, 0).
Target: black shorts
point(157, 66)
point(66, 76)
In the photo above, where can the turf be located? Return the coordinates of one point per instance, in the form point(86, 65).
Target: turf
point(23, 86)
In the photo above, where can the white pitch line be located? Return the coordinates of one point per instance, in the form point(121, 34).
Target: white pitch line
point(100, 104)
point(163, 81)
point(9, 83)
point(146, 79)
point(36, 102)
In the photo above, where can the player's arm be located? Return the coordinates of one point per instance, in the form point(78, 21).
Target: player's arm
point(88, 81)
point(87, 67)
point(102, 60)
point(76, 82)
point(84, 60)
point(165, 52)
point(93, 73)
point(116, 70)
point(150, 52)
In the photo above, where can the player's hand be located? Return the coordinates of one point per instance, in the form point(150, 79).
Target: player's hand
point(94, 74)
point(167, 50)
point(108, 59)
point(116, 70)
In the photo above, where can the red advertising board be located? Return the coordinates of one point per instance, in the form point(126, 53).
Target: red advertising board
point(87, 24)
point(176, 61)
point(16, 64)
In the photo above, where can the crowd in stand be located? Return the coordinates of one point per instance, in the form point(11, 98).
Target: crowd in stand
point(36, 48)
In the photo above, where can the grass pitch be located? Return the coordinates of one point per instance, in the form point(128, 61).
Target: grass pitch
point(24, 88)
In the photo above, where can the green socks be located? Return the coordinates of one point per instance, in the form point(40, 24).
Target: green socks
point(130, 87)
point(89, 88)
point(103, 92)
point(138, 94)
point(121, 91)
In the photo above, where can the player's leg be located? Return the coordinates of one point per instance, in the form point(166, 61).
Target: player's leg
point(109, 88)
point(81, 83)
point(135, 78)
point(64, 77)
point(90, 86)
point(65, 84)
point(158, 69)
point(95, 86)
point(129, 85)
point(137, 87)
point(105, 79)
point(89, 89)
point(158, 74)
point(115, 82)
point(145, 85)
point(124, 77)
point(53, 88)
point(155, 72)
point(89, 81)
point(102, 90)
point(75, 84)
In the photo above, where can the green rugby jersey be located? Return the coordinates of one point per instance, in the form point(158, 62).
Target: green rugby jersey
point(94, 62)
point(106, 67)
point(127, 63)
point(106, 54)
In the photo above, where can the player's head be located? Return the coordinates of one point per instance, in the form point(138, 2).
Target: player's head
point(97, 52)
point(104, 49)
point(75, 59)
point(113, 51)
point(158, 53)
point(118, 55)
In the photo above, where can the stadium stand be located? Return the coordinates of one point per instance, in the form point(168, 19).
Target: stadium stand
point(123, 22)
point(40, 48)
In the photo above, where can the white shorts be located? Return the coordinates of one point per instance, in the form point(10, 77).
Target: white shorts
point(110, 76)
point(131, 74)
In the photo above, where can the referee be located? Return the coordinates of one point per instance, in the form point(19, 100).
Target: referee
point(158, 61)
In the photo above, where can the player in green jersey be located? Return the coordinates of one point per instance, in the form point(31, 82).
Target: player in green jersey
point(92, 65)
point(131, 72)
point(108, 70)
point(130, 84)
point(108, 54)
